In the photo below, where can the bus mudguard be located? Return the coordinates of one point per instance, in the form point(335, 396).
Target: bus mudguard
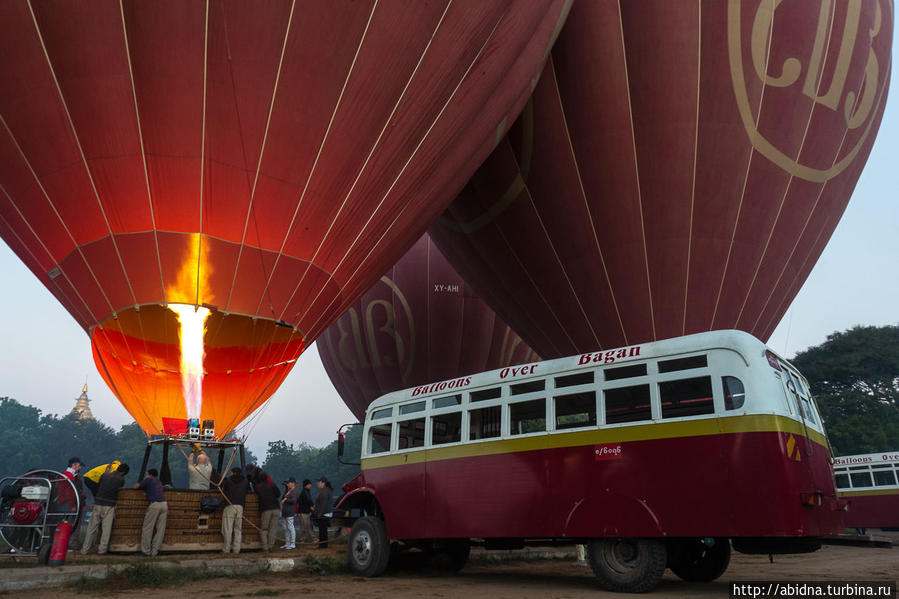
point(610, 514)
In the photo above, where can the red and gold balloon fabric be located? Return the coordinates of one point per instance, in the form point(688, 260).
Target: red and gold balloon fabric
point(419, 324)
point(680, 168)
point(269, 159)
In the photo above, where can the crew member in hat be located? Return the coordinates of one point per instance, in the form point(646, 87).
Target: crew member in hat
point(304, 512)
point(288, 510)
point(322, 511)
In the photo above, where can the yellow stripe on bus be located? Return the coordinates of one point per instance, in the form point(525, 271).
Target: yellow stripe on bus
point(865, 493)
point(625, 434)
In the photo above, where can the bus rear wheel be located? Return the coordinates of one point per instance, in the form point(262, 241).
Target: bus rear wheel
point(369, 547)
point(698, 560)
point(627, 565)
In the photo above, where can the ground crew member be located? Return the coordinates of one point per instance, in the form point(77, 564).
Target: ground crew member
point(154, 520)
point(103, 513)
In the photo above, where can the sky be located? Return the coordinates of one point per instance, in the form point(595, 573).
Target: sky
point(45, 357)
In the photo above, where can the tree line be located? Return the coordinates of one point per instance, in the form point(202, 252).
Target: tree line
point(31, 440)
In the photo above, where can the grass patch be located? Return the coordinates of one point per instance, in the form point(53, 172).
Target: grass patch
point(142, 575)
point(324, 565)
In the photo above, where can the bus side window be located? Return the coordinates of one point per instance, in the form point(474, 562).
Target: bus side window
point(842, 480)
point(628, 404)
point(379, 438)
point(734, 393)
point(687, 397)
point(528, 417)
point(861, 479)
point(485, 423)
point(883, 478)
point(576, 410)
point(446, 428)
point(412, 433)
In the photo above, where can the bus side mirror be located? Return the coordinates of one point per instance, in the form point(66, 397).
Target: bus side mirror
point(340, 442)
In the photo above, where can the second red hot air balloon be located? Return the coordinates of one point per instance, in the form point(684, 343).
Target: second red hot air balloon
point(420, 323)
point(680, 169)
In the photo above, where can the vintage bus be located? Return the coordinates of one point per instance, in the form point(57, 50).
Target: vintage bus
point(662, 454)
point(871, 484)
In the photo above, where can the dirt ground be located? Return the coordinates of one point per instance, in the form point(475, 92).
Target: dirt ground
point(550, 578)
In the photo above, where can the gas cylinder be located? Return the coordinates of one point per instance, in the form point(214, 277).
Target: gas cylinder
point(60, 544)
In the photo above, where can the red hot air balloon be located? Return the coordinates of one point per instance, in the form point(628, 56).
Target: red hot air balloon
point(680, 169)
point(420, 323)
point(265, 159)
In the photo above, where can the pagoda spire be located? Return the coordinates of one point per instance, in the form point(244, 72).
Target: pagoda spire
point(82, 409)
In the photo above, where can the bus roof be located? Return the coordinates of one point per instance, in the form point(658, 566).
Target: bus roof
point(741, 342)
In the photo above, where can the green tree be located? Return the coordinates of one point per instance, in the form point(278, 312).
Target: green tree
point(855, 378)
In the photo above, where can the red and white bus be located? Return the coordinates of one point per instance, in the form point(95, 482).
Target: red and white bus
point(871, 484)
point(654, 455)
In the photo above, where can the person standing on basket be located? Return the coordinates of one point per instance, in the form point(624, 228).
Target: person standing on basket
point(235, 488)
point(154, 521)
point(322, 511)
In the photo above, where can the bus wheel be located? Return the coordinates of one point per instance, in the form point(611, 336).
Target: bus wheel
point(697, 561)
point(451, 555)
point(627, 565)
point(369, 548)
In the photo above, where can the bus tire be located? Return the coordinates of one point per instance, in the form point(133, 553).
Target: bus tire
point(451, 556)
point(627, 565)
point(369, 547)
point(694, 561)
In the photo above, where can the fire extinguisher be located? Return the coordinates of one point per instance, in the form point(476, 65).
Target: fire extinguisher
point(60, 544)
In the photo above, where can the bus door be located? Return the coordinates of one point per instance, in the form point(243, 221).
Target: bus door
point(801, 401)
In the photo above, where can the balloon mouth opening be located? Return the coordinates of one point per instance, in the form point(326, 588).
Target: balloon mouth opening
point(191, 332)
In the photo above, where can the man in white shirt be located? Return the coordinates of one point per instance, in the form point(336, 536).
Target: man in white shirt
point(199, 473)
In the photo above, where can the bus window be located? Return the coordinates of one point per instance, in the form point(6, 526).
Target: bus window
point(445, 402)
point(860, 479)
point(385, 413)
point(683, 364)
point(576, 410)
point(379, 438)
point(842, 481)
point(446, 428)
point(485, 423)
point(687, 397)
point(412, 433)
point(528, 417)
point(528, 387)
point(581, 378)
point(734, 393)
point(624, 372)
point(883, 478)
point(409, 408)
point(628, 404)
point(486, 394)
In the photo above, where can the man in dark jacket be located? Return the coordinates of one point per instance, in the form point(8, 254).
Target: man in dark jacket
point(153, 529)
point(322, 511)
point(235, 488)
point(304, 511)
point(103, 513)
point(269, 509)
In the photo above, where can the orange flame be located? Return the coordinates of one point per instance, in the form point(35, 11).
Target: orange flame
point(190, 289)
point(193, 327)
